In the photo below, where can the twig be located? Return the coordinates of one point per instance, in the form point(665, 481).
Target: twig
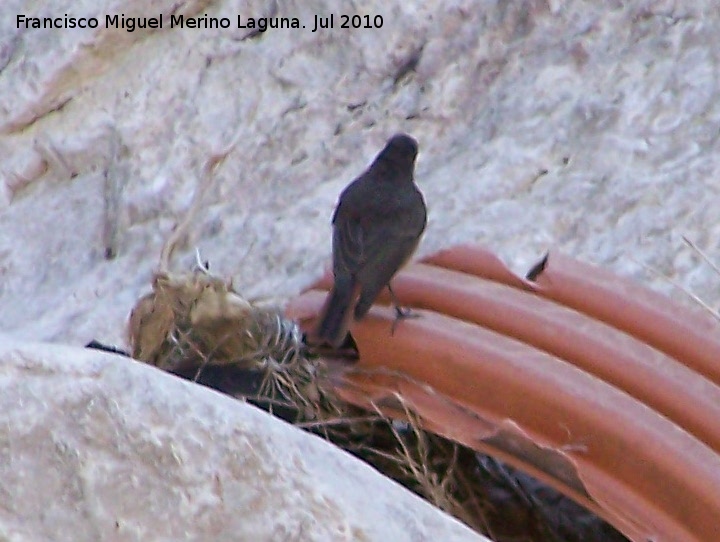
point(111, 197)
point(679, 286)
point(704, 256)
point(212, 163)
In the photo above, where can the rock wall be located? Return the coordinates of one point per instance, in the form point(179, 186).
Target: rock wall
point(588, 128)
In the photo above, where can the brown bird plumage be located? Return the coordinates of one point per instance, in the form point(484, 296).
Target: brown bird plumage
point(377, 226)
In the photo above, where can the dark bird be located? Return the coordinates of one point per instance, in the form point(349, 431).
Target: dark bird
point(377, 226)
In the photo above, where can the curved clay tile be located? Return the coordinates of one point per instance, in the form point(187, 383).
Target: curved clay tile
point(578, 377)
point(690, 336)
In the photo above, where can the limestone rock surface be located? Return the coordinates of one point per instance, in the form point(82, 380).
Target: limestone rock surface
point(97, 447)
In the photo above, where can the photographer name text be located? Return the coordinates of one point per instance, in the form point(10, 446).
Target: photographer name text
point(260, 24)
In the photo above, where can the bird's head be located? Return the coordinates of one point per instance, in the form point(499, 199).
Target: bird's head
point(399, 152)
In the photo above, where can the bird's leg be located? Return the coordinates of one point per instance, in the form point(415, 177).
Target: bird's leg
point(400, 312)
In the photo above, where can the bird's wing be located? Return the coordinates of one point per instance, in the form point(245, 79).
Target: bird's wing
point(388, 256)
point(349, 240)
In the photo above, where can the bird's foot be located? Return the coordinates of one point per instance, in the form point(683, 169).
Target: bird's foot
point(402, 314)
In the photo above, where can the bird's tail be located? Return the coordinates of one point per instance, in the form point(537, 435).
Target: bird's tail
point(337, 312)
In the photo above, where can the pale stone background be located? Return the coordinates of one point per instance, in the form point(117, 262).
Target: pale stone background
point(588, 127)
point(625, 92)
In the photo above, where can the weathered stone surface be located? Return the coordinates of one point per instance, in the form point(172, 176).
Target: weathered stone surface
point(592, 129)
point(98, 447)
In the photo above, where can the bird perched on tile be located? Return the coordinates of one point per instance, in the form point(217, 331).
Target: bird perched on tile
point(377, 226)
